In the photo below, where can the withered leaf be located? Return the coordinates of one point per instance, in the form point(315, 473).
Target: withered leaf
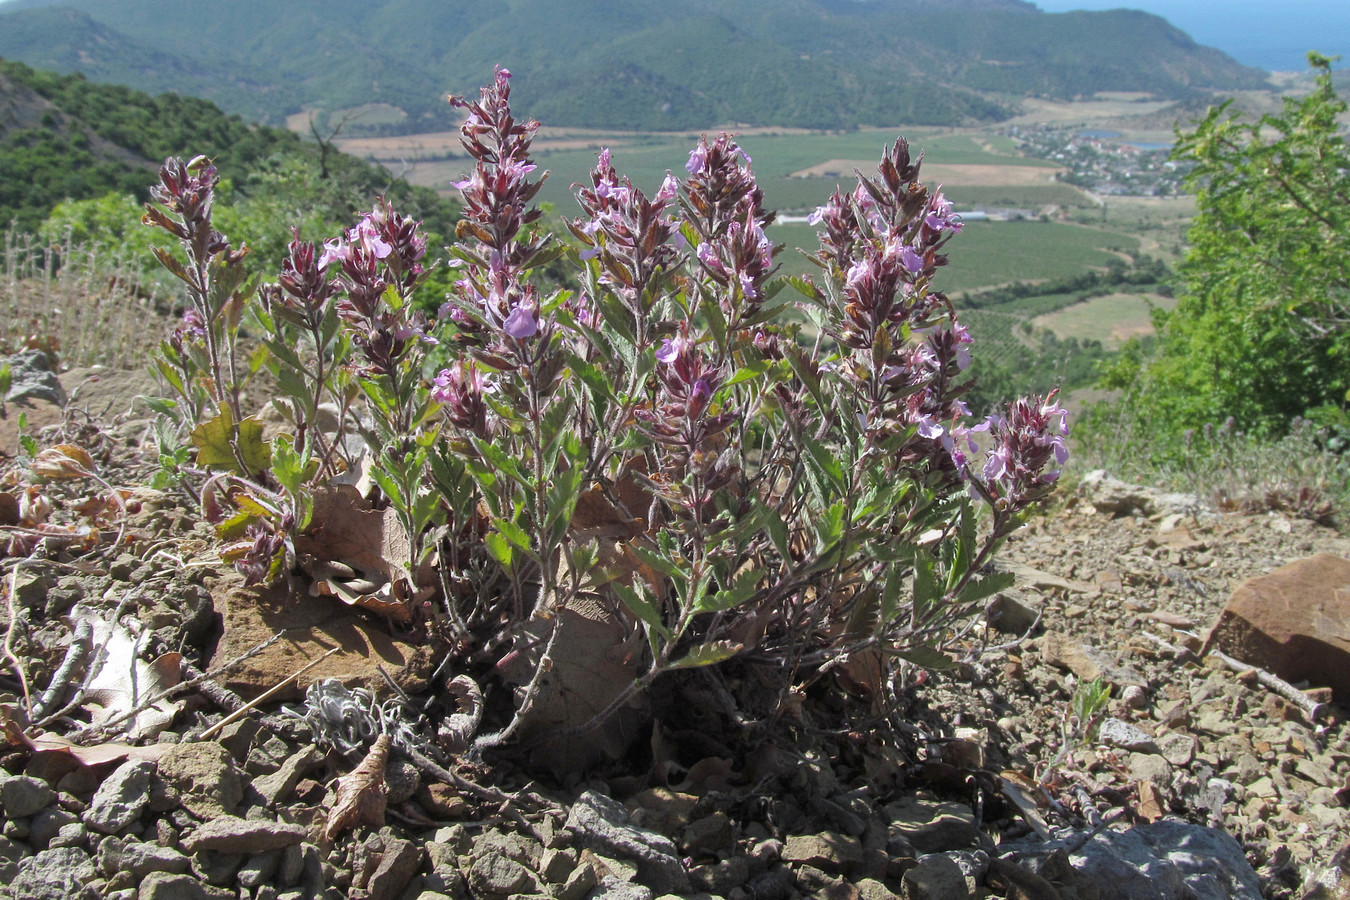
point(64, 461)
point(124, 679)
point(458, 729)
point(362, 794)
point(1152, 806)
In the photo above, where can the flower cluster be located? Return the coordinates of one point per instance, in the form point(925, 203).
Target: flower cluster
point(492, 306)
point(188, 190)
point(726, 207)
point(742, 259)
point(906, 350)
point(497, 194)
point(1027, 447)
point(381, 251)
point(631, 235)
point(304, 288)
point(459, 389)
point(683, 423)
point(721, 189)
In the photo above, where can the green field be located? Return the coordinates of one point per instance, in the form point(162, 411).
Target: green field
point(1112, 319)
point(645, 158)
point(1070, 232)
point(989, 253)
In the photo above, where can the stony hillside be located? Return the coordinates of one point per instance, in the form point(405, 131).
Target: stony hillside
point(1199, 779)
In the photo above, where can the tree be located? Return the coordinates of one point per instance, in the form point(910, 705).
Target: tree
point(1262, 328)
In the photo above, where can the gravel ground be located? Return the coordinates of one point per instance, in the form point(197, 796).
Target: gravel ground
point(840, 800)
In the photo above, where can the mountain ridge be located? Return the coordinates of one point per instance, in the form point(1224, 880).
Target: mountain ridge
point(641, 64)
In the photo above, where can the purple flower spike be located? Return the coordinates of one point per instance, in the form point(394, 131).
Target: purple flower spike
point(667, 352)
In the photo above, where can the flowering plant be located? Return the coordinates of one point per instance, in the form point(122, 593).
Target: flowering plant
point(729, 472)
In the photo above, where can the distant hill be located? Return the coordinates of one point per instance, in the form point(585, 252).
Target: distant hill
point(63, 137)
point(641, 64)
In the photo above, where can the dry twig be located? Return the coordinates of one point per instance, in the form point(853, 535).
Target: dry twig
point(270, 692)
point(1277, 684)
point(77, 655)
point(9, 638)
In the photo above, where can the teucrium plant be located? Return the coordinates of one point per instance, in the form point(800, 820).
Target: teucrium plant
point(781, 476)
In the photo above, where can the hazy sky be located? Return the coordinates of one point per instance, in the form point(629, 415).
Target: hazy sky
point(1272, 34)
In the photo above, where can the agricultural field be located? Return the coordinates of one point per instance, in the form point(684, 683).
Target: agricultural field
point(1112, 319)
point(1056, 230)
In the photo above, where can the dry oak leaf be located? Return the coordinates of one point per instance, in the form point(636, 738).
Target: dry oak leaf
point(362, 794)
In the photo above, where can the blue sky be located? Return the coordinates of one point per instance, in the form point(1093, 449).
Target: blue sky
point(1272, 34)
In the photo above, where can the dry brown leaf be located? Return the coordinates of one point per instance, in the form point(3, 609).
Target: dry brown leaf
point(64, 461)
point(362, 794)
point(352, 551)
point(96, 754)
point(35, 508)
point(1022, 793)
point(1152, 805)
point(381, 600)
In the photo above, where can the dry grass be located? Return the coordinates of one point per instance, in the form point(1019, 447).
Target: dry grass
point(82, 304)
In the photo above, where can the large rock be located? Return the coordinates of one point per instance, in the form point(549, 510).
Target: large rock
point(602, 825)
point(313, 626)
point(1162, 861)
point(1294, 622)
point(32, 378)
point(62, 873)
point(1118, 498)
point(121, 799)
point(201, 776)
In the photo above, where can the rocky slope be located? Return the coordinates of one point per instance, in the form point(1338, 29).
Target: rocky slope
point(1199, 781)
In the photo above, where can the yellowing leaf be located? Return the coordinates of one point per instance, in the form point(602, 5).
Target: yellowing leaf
point(257, 452)
point(216, 439)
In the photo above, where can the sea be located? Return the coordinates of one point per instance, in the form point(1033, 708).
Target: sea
point(1274, 35)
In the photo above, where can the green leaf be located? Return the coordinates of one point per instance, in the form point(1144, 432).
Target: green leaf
point(707, 655)
point(777, 529)
point(641, 604)
point(825, 462)
point(926, 590)
point(748, 372)
point(741, 590)
point(163, 407)
point(170, 262)
point(498, 548)
point(803, 369)
point(660, 562)
point(387, 484)
point(926, 657)
point(425, 508)
point(805, 288)
point(978, 589)
point(287, 466)
point(514, 533)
